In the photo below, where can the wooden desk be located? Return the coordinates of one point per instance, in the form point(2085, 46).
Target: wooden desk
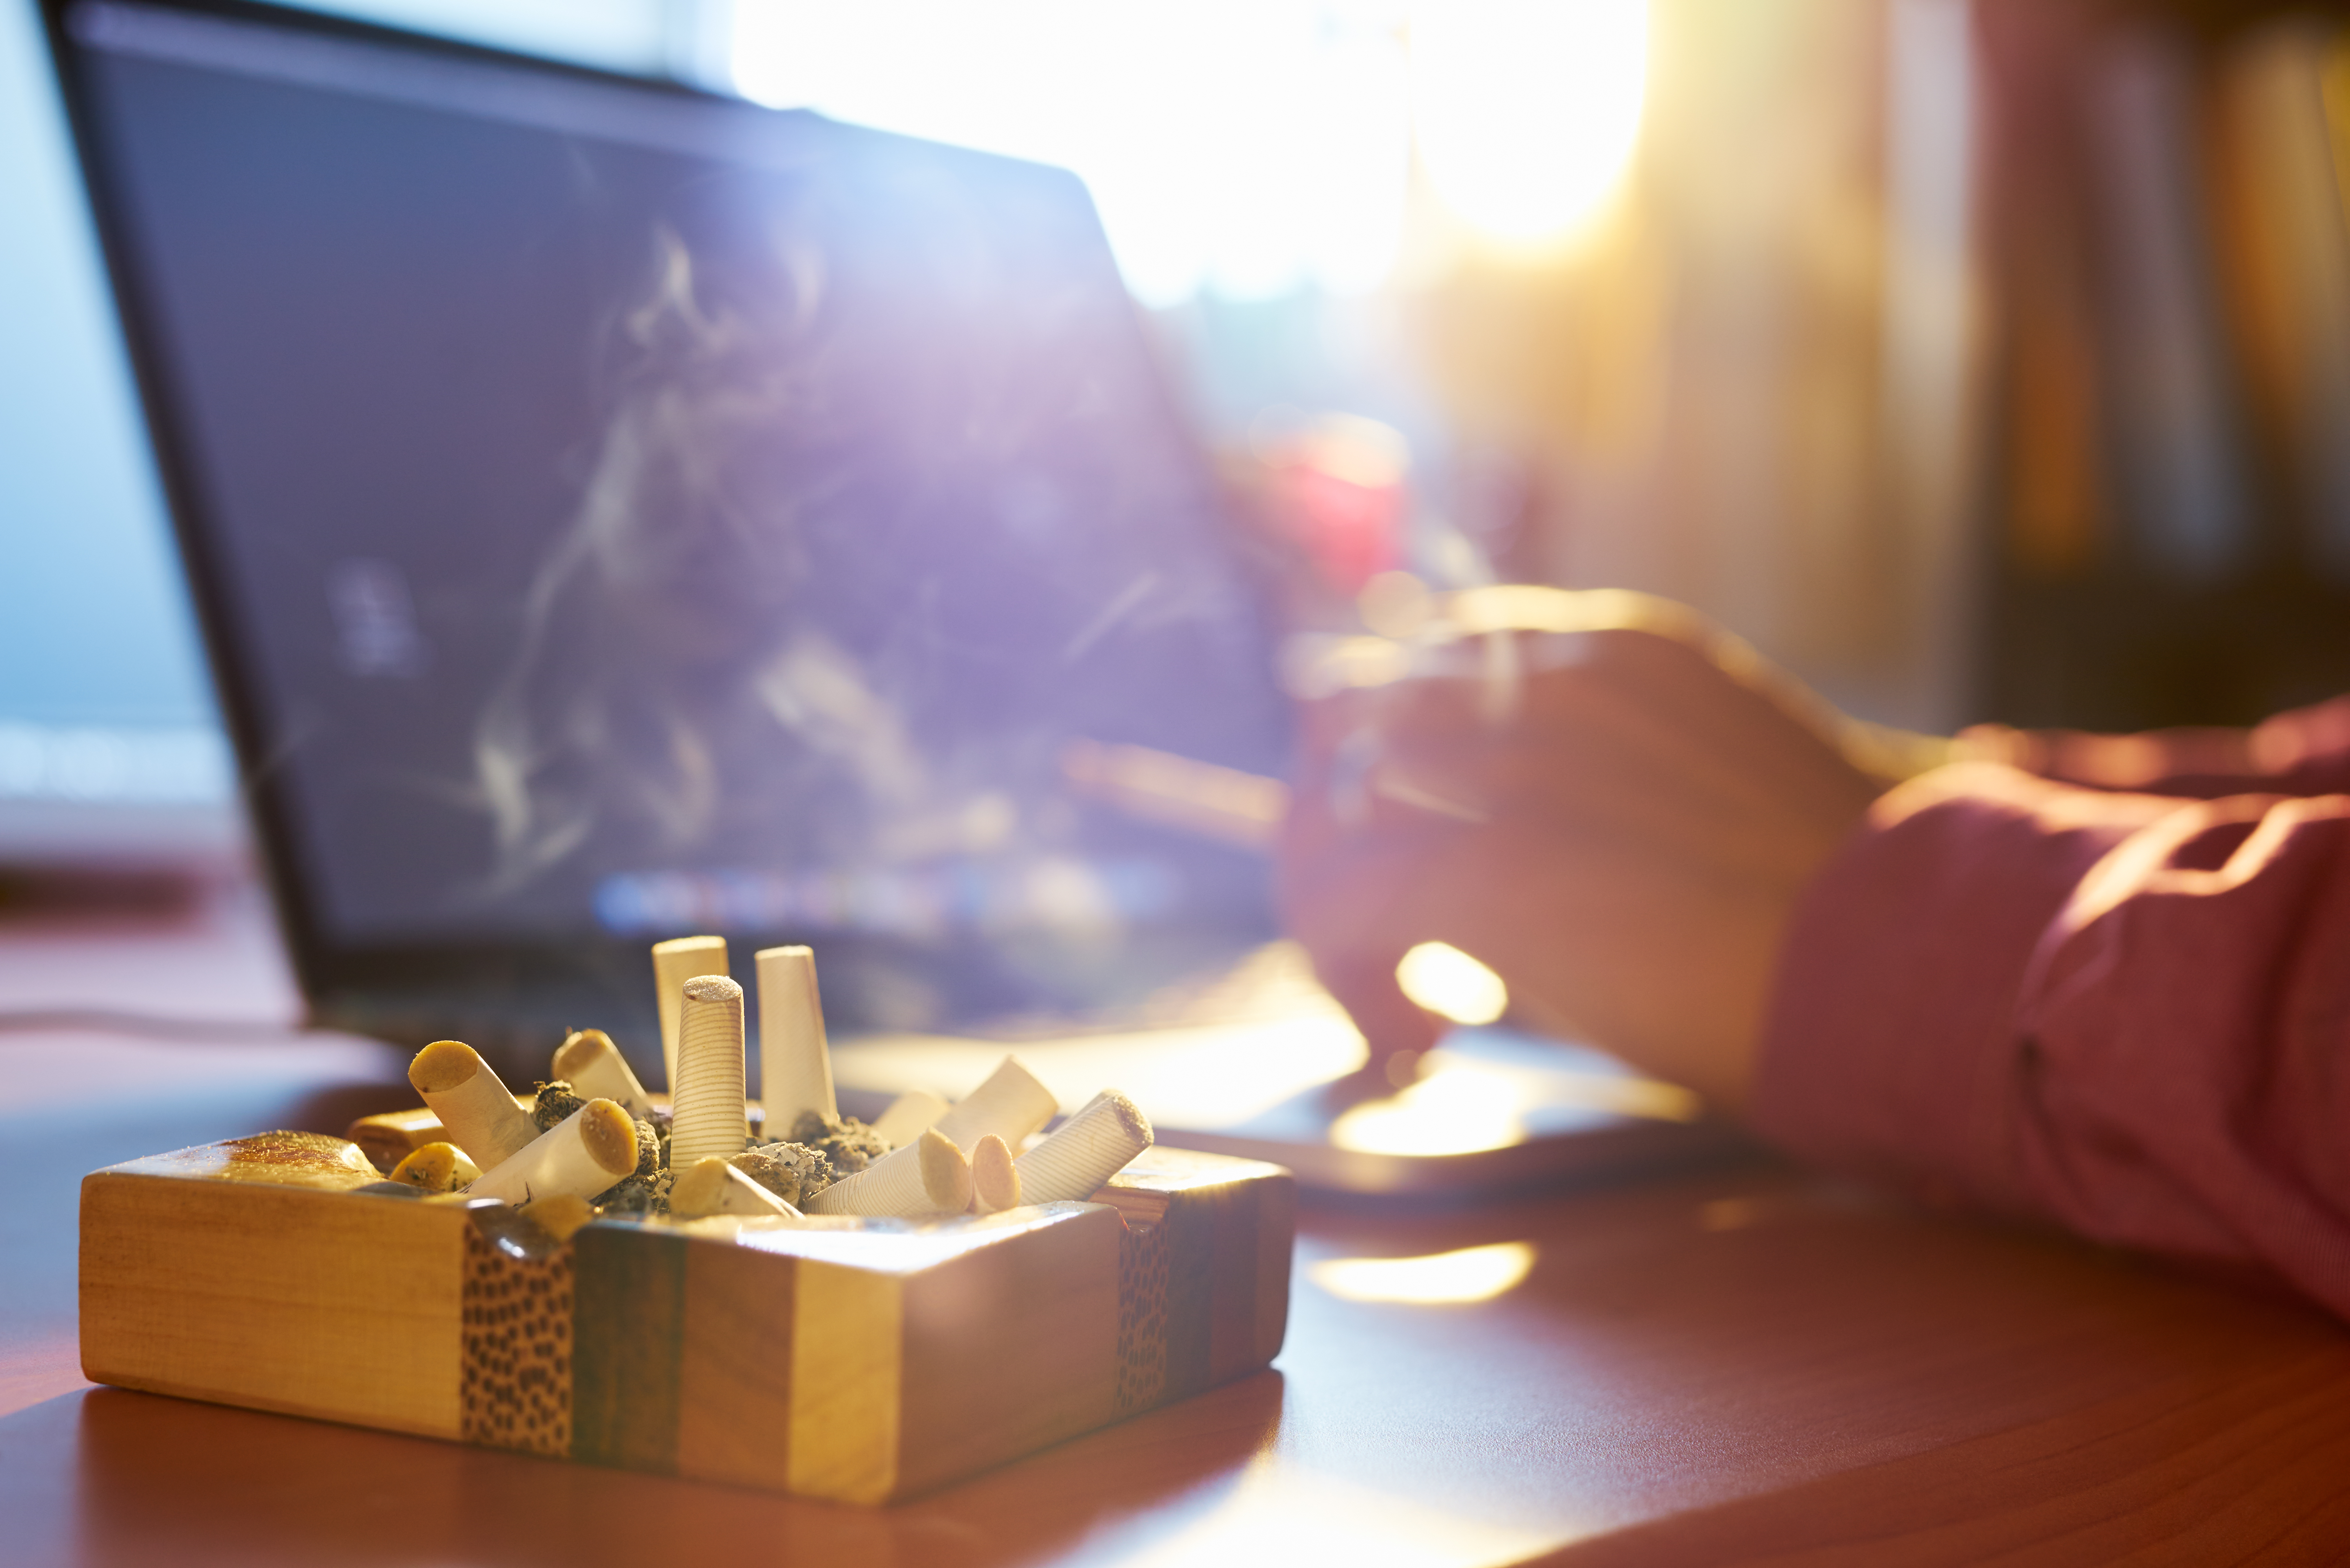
point(1737, 1365)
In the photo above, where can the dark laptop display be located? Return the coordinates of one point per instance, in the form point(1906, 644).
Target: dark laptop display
point(618, 513)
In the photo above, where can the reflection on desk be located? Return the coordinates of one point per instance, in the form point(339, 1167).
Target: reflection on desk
point(1253, 1067)
point(1733, 1365)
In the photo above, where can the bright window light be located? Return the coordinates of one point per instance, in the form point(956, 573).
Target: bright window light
point(1243, 147)
point(1526, 111)
point(1451, 984)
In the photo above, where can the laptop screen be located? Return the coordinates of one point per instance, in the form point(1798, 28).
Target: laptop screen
point(620, 512)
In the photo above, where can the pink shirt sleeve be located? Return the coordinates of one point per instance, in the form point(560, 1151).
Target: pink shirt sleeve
point(2305, 751)
point(2126, 1013)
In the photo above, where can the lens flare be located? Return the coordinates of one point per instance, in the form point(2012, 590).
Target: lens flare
point(1526, 111)
point(1458, 1108)
point(1451, 984)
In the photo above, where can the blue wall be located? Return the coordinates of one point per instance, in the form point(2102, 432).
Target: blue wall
point(94, 621)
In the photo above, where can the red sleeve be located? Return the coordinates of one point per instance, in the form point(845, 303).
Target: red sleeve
point(2307, 751)
point(2127, 1014)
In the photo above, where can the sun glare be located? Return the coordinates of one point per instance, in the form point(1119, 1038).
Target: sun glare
point(1444, 1279)
point(1458, 1108)
point(1526, 111)
point(1451, 984)
point(1242, 147)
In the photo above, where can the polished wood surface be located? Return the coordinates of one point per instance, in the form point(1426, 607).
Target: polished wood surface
point(309, 1302)
point(1742, 1364)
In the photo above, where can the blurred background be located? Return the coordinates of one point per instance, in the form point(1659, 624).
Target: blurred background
point(1978, 359)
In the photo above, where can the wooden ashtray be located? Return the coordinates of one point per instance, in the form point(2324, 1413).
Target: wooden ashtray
point(862, 1360)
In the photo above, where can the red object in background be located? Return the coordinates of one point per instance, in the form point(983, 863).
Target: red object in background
point(1338, 489)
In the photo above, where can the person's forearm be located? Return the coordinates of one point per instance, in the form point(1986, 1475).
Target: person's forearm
point(2121, 1013)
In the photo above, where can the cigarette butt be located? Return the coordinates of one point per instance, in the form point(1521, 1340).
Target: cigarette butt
point(932, 1177)
point(1011, 1104)
point(901, 1184)
point(946, 1173)
point(436, 1167)
point(594, 1067)
point(587, 1153)
point(476, 1111)
point(794, 1063)
point(908, 1114)
point(675, 961)
point(995, 1178)
point(889, 1186)
point(706, 1112)
point(559, 1214)
point(1084, 1151)
point(714, 1187)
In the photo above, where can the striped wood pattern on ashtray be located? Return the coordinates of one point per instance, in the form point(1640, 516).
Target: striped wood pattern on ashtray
point(864, 1365)
point(627, 1337)
point(1214, 1235)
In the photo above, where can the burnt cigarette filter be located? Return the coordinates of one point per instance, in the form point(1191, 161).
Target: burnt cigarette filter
point(589, 1152)
point(908, 1114)
point(932, 1177)
point(1085, 1151)
point(707, 1116)
point(794, 1063)
point(1011, 1105)
point(995, 1178)
point(675, 961)
point(594, 1067)
point(559, 1214)
point(475, 1110)
point(712, 1186)
point(436, 1167)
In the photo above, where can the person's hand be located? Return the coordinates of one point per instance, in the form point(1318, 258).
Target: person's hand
point(1621, 837)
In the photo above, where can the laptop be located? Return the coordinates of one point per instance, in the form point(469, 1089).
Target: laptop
point(618, 512)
